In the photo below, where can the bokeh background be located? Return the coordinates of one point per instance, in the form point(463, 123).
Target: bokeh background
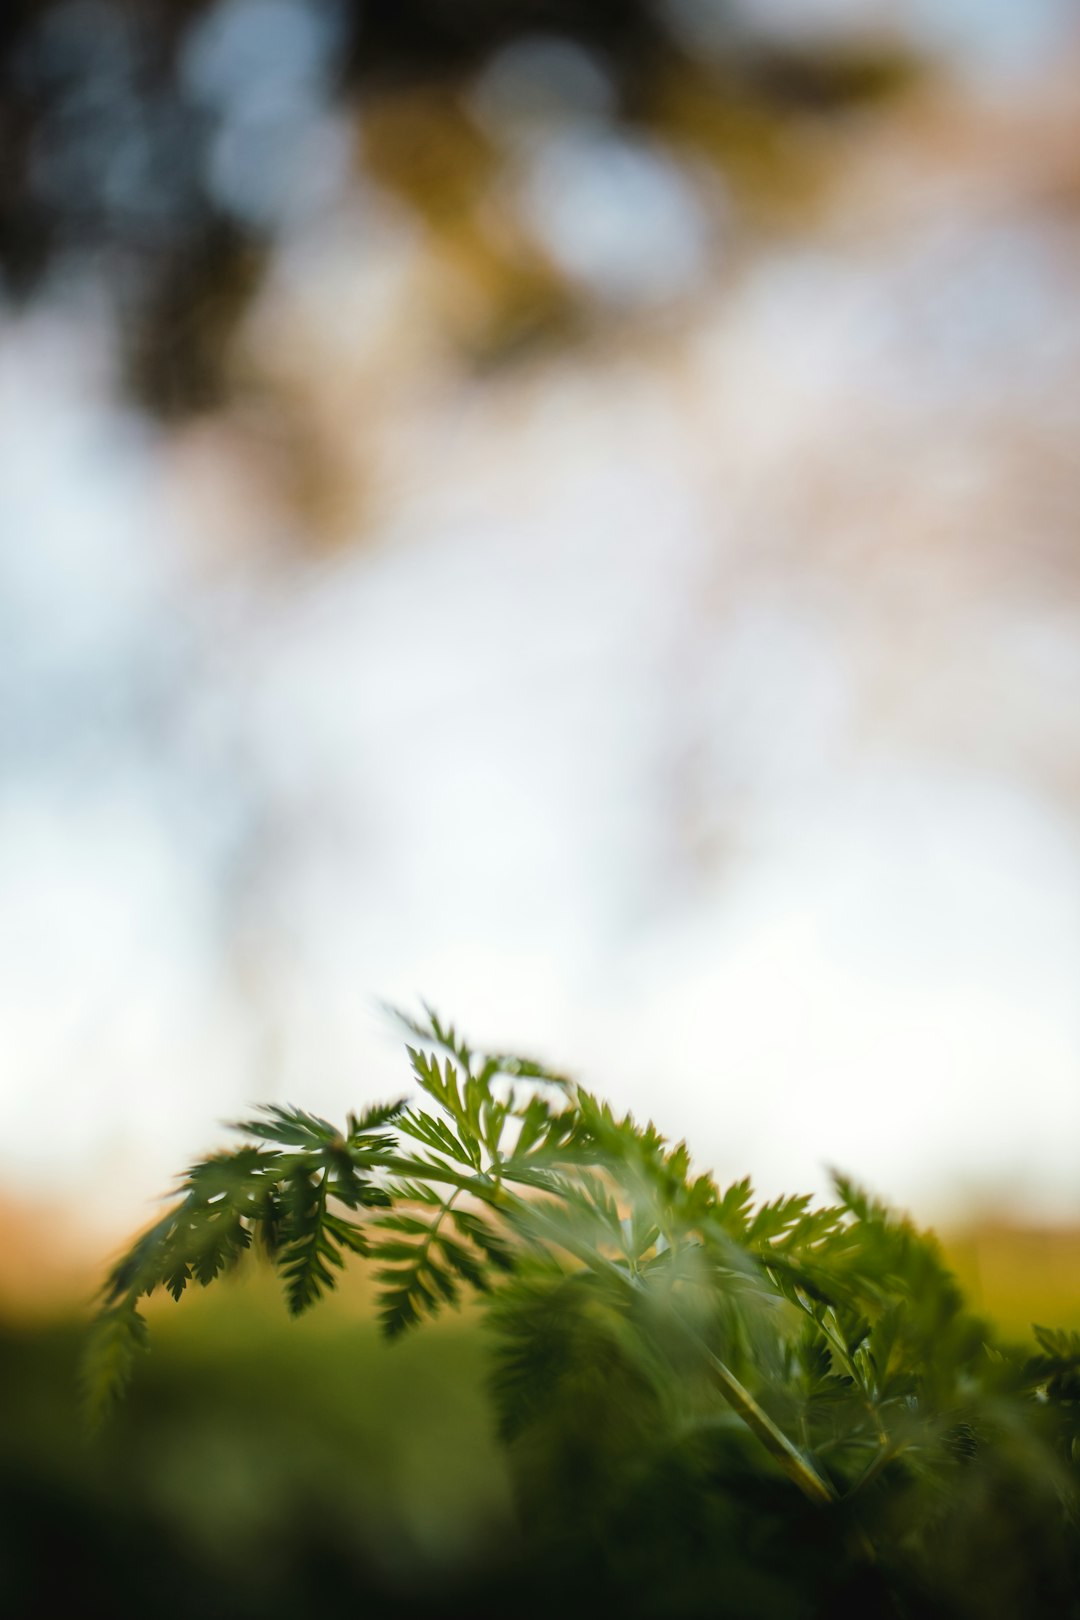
point(568, 510)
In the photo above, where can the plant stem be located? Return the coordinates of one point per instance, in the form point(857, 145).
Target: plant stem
point(799, 1469)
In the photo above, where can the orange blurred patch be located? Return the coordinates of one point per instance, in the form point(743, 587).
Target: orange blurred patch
point(47, 1261)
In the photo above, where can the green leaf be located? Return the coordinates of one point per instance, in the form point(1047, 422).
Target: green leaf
point(114, 1343)
point(312, 1239)
point(293, 1127)
point(436, 1134)
point(373, 1119)
point(1059, 1345)
point(492, 1245)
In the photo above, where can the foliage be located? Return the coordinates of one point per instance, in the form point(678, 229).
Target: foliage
point(260, 1469)
point(112, 119)
point(679, 1370)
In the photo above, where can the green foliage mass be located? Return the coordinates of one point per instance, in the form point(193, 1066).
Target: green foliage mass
point(788, 1400)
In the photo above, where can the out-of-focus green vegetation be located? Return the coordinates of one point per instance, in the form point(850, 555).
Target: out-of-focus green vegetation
point(267, 1467)
point(260, 1468)
point(263, 1467)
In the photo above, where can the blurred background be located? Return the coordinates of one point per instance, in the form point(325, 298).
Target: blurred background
point(568, 510)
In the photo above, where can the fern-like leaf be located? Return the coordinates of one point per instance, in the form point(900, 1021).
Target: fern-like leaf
point(115, 1341)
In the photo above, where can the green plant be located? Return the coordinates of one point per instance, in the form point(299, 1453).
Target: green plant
point(791, 1401)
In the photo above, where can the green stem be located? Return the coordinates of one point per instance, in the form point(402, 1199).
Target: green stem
point(887, 1450)
point(798, 1468)
point(784, 1451)
point(433, 1230)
